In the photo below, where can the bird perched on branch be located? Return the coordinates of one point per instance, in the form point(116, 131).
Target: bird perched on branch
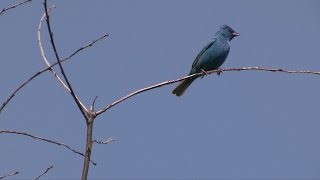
point(211, 57)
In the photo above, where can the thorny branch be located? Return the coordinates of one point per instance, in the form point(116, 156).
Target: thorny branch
point(43, 172)
point(14, 6)
point(217, 71)
point(44, 139)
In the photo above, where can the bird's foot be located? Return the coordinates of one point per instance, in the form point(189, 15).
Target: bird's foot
point(203, 73)
point(219, 71)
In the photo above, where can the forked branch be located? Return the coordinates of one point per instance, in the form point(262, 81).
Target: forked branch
point(80, 105)
point(4, 104)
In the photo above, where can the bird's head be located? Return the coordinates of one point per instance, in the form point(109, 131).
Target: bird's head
point(227, 32)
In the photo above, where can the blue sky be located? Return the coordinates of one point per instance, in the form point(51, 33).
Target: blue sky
point(240, 125)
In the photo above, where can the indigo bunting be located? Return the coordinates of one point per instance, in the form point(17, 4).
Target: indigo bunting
point(211, 57)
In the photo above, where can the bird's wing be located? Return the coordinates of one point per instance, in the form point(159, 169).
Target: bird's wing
point(202, 51)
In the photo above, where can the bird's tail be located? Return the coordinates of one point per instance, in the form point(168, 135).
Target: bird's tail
point(179, 90)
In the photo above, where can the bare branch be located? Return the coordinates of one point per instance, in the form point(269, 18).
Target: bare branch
point(218, 71)
point(10, 174)
point(43, 53)
point(65, 86)
point(257, 68)
point(84, 47)
point(80, 105)
point(50, 67)
point(46, 140)
point(14, 6)
point(87, 156)
point(142, 90)
point(93, 103)
point(109, 140)
point(43, 172)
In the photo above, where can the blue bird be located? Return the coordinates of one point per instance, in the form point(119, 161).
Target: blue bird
point(211, 57)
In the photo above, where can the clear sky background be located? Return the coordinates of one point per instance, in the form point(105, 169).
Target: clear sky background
point(240, 125)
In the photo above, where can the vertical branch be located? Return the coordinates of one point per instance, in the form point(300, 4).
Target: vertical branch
point(87, 156)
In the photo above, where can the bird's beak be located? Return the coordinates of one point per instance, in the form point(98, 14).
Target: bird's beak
point(235, 34)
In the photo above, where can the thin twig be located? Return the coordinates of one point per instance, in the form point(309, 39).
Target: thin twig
point(43, 172)
point(84, 47)
point(10, 174)
point(201, 74)
point(14, 6)
point(109, 140)
point(48, 68)
point(44, 139)
point(93, 103)
point(257, 68)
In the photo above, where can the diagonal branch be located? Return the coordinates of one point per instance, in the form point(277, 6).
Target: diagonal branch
point(84, 47)
point(218, 71)
point(46, 140)
point(50, 67)
point(14, 6)
point(43, 172)
point(9, 174)
point(142, 90)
